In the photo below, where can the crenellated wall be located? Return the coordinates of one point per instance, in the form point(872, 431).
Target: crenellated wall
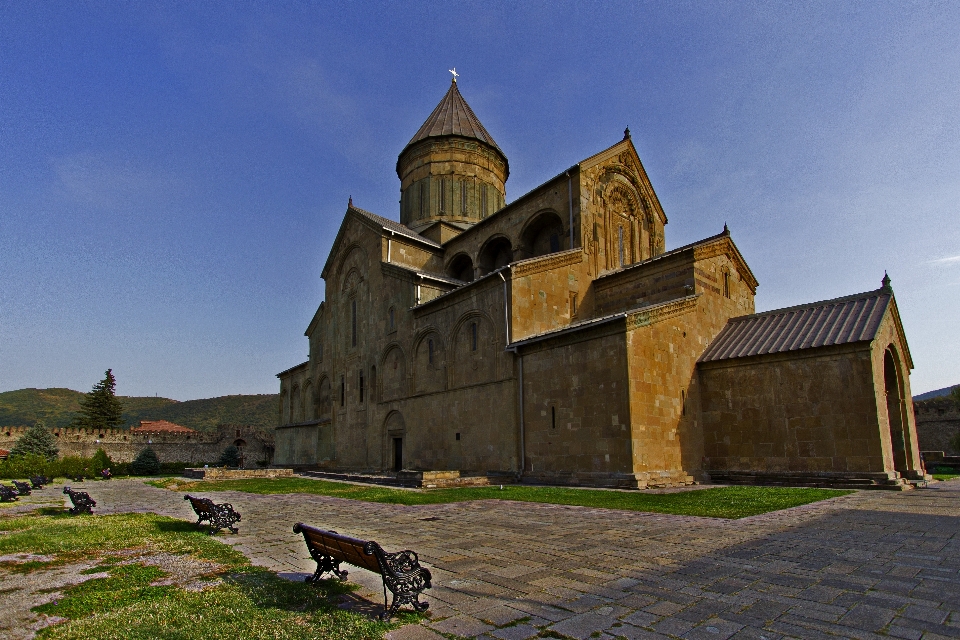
point(123, 445)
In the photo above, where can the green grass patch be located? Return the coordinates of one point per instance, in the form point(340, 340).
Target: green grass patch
point(69, 538)
point(126, 585)
point(717, 502)
point(251, 603)
point(239, 601)
point(945, 476)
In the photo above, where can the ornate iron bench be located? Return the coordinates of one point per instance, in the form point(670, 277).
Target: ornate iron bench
point(218, 516)
point(39, 481)
point(401, 572)
point(7, 494)
point(82, 502)
point(23, 488)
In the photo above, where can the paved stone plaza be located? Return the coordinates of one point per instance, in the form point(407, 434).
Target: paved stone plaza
point(868, 565)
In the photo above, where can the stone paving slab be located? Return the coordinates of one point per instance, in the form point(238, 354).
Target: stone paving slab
point(867, 565)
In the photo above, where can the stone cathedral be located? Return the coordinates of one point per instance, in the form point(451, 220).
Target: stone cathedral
point(554, 339)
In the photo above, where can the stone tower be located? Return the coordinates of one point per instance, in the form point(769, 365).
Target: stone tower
point(452, 174)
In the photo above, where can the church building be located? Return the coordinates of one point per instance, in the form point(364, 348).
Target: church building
point(554, 339)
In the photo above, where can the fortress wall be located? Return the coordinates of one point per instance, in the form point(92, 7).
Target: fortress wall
point(938, 420)
point(122, 445)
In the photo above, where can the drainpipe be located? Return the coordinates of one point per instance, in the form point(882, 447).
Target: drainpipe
point(389, 246)
point(506, 313)
point(570, 199)
point(418, 289)
point(523, 453)
point(506, 320)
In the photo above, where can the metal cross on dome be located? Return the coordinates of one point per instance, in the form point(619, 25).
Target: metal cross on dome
point(454, 72)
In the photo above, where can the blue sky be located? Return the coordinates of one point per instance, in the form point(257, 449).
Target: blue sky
point(172, 175)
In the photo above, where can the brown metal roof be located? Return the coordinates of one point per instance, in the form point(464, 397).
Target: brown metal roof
point(845, 320)
point(453, 117)
point(393, 225)
point(160, 426)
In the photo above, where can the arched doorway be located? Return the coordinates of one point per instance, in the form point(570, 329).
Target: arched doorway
point(240, 443)
point(395, 431)
point(893, 389)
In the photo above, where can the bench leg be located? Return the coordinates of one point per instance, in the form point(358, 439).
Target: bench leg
point(406, 589)
point(326, 564)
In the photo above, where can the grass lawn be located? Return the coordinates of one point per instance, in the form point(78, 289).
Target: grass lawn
point(945, 476)
point(125, 600)
point(718, 502)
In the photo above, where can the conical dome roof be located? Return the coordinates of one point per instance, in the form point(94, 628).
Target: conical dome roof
point(453, 117)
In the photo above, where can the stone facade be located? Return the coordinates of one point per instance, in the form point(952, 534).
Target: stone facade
point(123, 445)
point(554, 339)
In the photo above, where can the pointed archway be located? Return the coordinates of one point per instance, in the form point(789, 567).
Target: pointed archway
point(896, 418)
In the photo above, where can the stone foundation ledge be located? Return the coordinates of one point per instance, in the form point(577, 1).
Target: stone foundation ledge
point(889, 480)
point(219, 473)
point(642, 480)
point(441, 479)
point(412, 479)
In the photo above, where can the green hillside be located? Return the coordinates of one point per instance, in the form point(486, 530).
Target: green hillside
point(58, 407)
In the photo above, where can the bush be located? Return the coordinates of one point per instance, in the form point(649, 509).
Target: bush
point(146, 463)
point(25, 466)
point(230, 457)
point(100, 462)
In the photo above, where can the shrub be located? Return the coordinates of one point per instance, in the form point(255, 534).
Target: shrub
point(25, 466)
point(100, 462)
point(146, 463)
point(230, 457)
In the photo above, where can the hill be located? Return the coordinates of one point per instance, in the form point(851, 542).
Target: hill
point(934, 394)
point(58, 407)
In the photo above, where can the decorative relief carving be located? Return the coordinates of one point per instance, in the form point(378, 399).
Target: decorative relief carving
point(659, 313)
point(547, 262)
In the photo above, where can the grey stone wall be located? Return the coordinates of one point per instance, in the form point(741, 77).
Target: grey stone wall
point(938, 421)
point(122, 445)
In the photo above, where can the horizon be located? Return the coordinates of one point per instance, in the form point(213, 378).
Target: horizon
point(174, 175)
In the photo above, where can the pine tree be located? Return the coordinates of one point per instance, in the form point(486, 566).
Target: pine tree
point(100, 409)
point(230, 457)
point(37, 440)
point(146, 463)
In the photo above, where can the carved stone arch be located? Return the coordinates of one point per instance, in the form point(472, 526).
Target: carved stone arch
point(497, 251)
point(542, 234)
point(392, 380)
point(324, 398)
point(352, 280)
point(348, 253)
point(429, 356)
point(475, 356)
point(394, 424)
point(461, 267)
point(626, 238)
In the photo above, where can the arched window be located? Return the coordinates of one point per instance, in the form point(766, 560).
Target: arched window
point(495, 254)
point(430, 351)
point(543, 235)
point(391, 323)
point(461, 268)
point(473, 336)
point(353, 322)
